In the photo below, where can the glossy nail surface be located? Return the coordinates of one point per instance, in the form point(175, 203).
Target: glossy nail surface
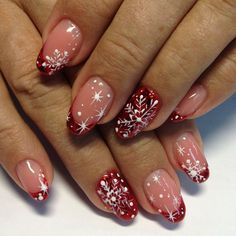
point(138, 113)
point(190, 158)
point(117, 196)
point(90, 106)
point(62, 45)
point(190, 104)
point(164, 196)
point(33, 179)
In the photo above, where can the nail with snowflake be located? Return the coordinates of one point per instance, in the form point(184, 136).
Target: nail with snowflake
point(33, 179)
point(60, 48)
point(190, 104)
point(117, 196)
point(164, 195)
point(190, 158)
point(138, 113)
point(92, 103)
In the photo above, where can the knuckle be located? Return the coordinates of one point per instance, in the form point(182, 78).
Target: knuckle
point(10, 133)
point(178, 62)
point(121, 53)
point(37, 94)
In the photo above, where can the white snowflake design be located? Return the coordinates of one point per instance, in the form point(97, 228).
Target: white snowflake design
point(194, 169)
point(57, 61)
point(115, 194)
point(140, 113)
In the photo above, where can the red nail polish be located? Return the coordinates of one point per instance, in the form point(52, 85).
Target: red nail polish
point(138, 113)
point(191, 159)
point(62, 45)
point(116, 194)
point(190, 104)
point(33, 179)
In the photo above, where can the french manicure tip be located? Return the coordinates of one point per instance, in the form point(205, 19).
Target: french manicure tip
point(76, 128)
point(175, 117)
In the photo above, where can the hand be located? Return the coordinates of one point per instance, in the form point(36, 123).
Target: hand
point(173, 49)
point(91, 162)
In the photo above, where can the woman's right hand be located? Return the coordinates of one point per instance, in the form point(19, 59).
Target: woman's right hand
point(148, 163)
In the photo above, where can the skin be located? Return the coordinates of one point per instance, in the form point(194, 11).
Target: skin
point(46, 102)
point(168, 50)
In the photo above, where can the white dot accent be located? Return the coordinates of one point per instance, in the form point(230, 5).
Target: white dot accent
point(161, 195)
point(100, 84)
point(95, 81)
point(108, 95)
point(102, 183)
point(131, 203)
point(79, 113)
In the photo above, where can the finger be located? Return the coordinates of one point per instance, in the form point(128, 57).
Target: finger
point(184, 148)
point(22, 155)
point(46, 102)
point(72, 32)
point(188, 52)
point(213, 87)
point(146, 167)
point(121, 57)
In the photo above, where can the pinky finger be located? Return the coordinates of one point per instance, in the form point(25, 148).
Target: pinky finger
point(216, 85)
point(21, 154)
point(184, 148)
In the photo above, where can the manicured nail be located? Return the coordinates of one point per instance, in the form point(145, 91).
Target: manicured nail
point(190, 104)
point(33, 179)
point(90, 106)
point(62, 45)
point(138, 113)
point(117, 196)
point(191, 159)
point(164, 196)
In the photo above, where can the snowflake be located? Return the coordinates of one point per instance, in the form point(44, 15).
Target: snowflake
point(172, 216)
point(114, 194)
point(97, 97)
point(137, 115)
point(194, 169)
point(57, 61)
point(181, 150)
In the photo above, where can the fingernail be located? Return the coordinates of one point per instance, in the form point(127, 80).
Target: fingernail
point(164, 196)
point(138, 113)
point(191, 159)
point(190, 104)
point(117, 196)
point(62, 45)
point(33, 179)
point(90, 106)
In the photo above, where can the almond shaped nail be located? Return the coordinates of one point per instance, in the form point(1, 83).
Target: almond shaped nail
point(117, 196)
point(164, 195)
point(33, 179)
point(191, 159)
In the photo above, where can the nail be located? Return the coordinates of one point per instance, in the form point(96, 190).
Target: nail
point(190, 104)
point(62, 45)
point(191, 159)
point(164, 196)
point(138, 113)
point(117, 196)
point(33, 179)
point(90, 106)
